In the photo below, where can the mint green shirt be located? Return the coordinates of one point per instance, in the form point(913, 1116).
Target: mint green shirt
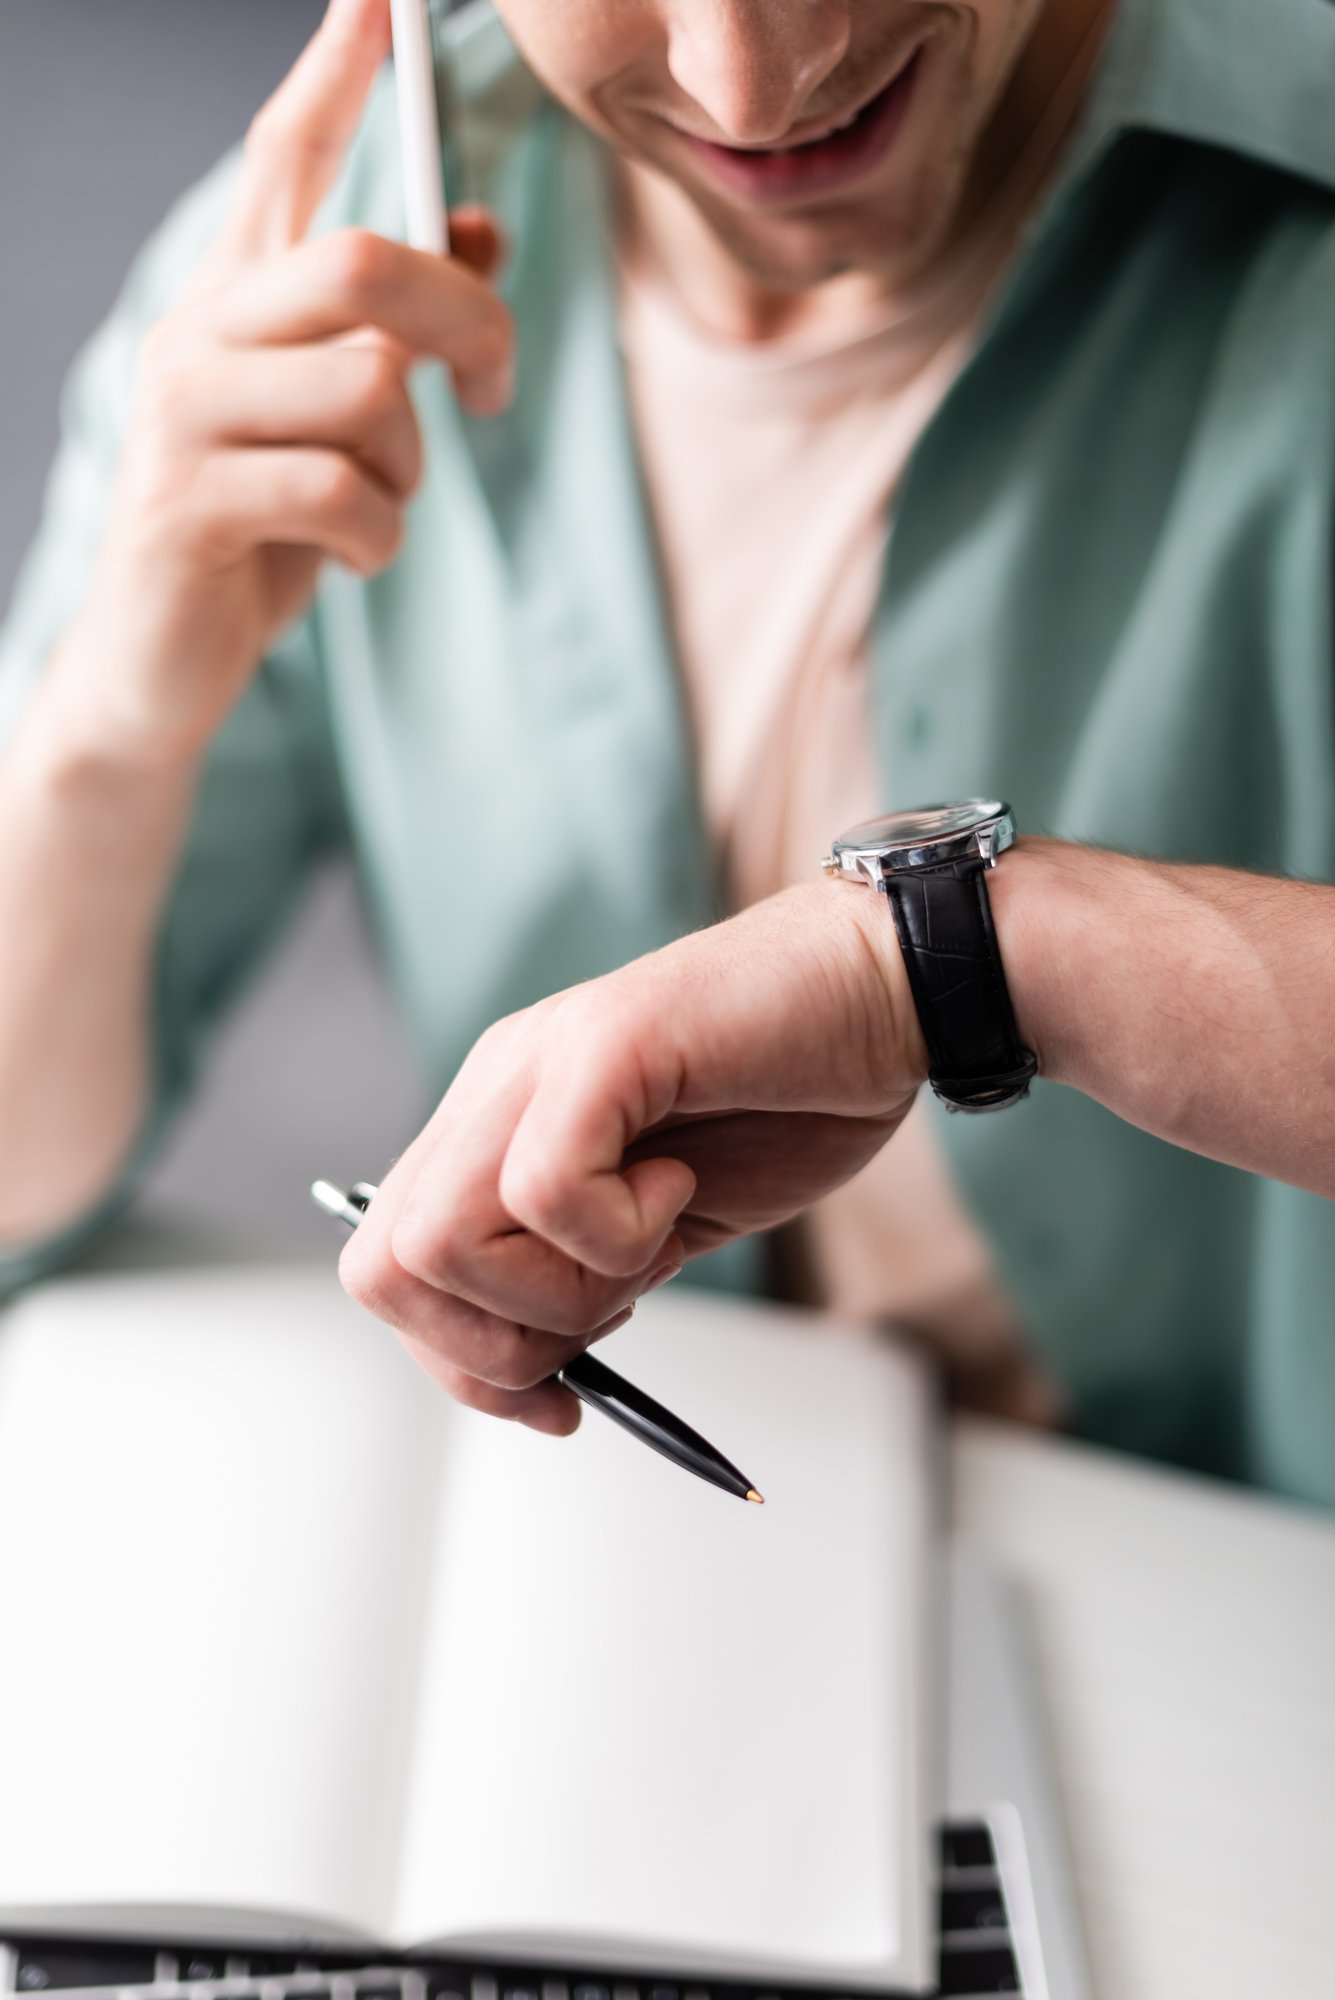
point(1107, 598)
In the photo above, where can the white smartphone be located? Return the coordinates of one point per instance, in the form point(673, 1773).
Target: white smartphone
point(419, 127)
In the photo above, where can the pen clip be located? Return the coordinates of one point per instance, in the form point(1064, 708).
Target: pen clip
point(346, 1205)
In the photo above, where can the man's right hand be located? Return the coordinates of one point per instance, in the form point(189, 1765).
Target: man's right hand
point(271, 424)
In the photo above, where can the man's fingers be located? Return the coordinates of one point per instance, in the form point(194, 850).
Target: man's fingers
point(481, 1344)
point(618, 1221)
point(297, 141)
point(612, 1219)
point(304, 497)
point(609, 1076)
point(548, 1407)
point(353, 278)
point(512, 1273)
point(353, 398)
point(484, 1361)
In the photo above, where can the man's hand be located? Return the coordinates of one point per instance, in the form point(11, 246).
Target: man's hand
point(720, 1086)
point(272, 425)
point(592, 1143)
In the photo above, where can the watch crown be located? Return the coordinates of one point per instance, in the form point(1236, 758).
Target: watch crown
point(829, 864)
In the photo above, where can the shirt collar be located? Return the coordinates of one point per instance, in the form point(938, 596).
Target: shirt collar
point(1253, 77)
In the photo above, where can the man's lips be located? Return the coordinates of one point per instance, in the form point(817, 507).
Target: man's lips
point(813, 166)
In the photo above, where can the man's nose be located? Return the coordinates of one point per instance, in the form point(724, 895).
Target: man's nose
point(753, 64)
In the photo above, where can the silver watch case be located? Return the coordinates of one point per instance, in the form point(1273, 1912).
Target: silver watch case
point(904, 843)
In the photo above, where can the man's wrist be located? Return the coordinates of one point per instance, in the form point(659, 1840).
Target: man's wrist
point(897, 1060)
point(63, 776)
point(1055, 907)
point(86, 728)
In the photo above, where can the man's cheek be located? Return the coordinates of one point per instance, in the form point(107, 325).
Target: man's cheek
point(577, 50)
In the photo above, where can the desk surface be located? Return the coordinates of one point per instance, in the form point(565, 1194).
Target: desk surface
point(1184, 1636)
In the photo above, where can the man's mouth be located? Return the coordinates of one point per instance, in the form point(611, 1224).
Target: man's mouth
point(824, 163)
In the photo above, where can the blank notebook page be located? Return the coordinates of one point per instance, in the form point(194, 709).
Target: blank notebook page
point(216, 1498)
point(652, 1714)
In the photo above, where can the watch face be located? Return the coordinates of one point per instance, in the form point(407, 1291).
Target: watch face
point(928, 837)
point(925, 824)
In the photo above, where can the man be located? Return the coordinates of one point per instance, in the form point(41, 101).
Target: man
point(1048, 287)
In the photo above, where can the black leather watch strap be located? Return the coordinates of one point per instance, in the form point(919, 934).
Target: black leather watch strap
point(944, 920)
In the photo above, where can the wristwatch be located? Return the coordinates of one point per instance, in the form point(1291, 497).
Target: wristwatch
point(932, 865)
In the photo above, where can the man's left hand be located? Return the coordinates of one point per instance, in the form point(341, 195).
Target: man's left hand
point(593, 1142)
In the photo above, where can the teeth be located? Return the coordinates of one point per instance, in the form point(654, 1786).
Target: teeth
point(832, 131)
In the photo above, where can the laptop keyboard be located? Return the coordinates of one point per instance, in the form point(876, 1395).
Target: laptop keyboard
point(976, 1957)
point(976, 1954)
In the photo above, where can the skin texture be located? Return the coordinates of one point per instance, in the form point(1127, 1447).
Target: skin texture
point(592, 1143)
point(644, 74)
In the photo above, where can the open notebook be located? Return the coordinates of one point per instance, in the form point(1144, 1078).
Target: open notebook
point(294, 1649)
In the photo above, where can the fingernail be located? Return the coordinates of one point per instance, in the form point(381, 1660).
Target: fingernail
point(611, 1325)
point(662, 1276)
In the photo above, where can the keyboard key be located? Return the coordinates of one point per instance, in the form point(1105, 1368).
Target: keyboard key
point(439, 1987)
point(592, 1993)
point(383, 1991)
point(972, 1909)
point(200, 1965)
point(973, 1973)
point(42, 1968)
point(967, 1847)
point(521, 1993)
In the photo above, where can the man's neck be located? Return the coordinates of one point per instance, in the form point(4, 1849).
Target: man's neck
point(661, 226)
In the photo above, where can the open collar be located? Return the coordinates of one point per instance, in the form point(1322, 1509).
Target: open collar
point(1252, 77)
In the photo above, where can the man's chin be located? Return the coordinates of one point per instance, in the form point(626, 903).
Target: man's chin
point(798, 255)
point(891, 236)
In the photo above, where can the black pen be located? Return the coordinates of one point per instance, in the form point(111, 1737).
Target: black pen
point(591, 1380)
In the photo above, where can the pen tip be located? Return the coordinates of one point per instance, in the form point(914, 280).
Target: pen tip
point(751, 1494)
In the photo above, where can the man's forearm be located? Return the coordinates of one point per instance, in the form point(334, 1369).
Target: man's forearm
point(87, 851)
point(1198, 1003)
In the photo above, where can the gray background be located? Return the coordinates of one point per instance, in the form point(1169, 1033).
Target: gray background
point(108, 108)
